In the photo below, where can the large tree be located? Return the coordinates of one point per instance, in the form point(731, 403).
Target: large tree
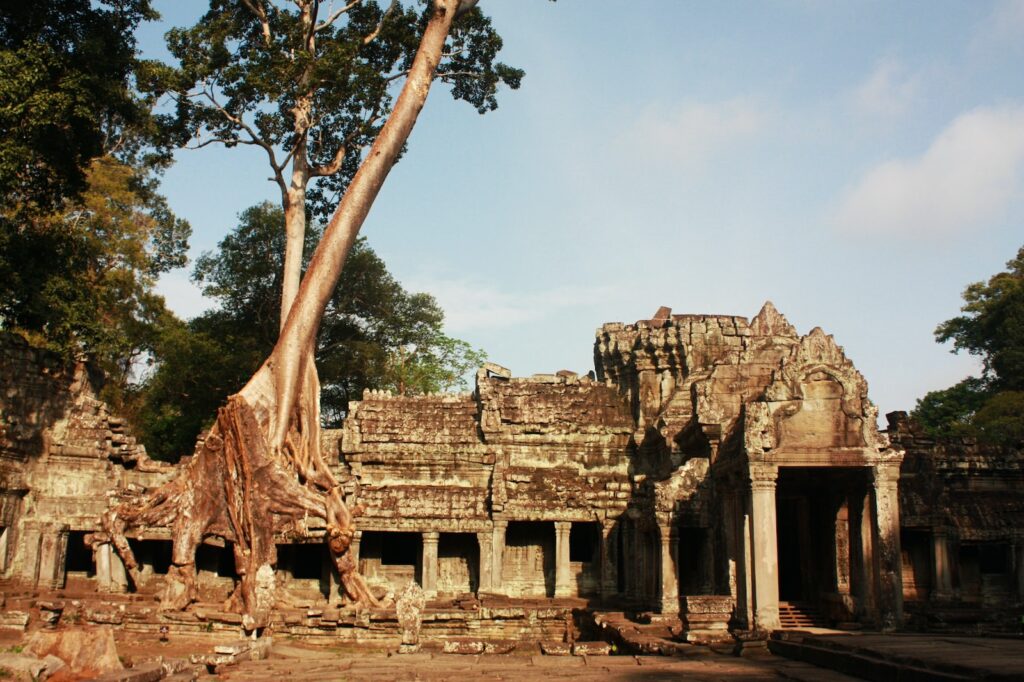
point(311, 87)
point(374, 335)
point(260, 470)
point(989, 407)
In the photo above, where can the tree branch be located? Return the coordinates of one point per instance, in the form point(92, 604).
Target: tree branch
point(376, 32)
point(331, 18)
point(254, 139)
point(256, 7)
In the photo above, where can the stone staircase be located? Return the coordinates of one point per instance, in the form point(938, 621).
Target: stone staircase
point(796, 615)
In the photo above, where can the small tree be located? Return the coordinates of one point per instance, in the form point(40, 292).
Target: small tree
point(990, 407)
point(260, 470)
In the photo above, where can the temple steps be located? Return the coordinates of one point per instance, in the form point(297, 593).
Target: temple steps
point(799, 615)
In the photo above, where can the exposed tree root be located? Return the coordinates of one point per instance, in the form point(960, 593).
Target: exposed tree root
point(236, 488)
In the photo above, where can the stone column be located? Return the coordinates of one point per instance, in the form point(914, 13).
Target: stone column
point(888, 562)
point(669, 602)
point(498, 555)
point(52, 558)
point(764, 546)
point(118, 573)
point(942, 573)
point(353, 547)
point(5, 534)
point(609, 571)
point(429, 564)
point(630, 560)
point(563, 572)
point(486, 545)
point(842, 553)
point(102, 557)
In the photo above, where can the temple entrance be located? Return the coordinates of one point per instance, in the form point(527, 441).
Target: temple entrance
point(818, 536)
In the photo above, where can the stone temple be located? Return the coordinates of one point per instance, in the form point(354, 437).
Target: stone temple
point(724, 472)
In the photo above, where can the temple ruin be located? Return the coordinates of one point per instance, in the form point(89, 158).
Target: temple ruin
point(723, 471)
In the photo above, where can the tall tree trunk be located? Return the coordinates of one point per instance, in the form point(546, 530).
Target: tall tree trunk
point(260, 470)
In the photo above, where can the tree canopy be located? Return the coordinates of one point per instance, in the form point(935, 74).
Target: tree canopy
point(989, 407)
point(312, 86)
point(67, 96)
point(81, 279)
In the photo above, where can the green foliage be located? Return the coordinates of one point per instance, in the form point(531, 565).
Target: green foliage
point(66, 74)
point(993, 326)
point(949, 412)
point(80, 280)
point(990, 408)
point(319, 94)
point(370, 321)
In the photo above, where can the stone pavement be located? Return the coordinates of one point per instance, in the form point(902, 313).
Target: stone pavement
point(907, 656)
point(297, 662)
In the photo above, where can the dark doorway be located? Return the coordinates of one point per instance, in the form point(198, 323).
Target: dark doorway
point(78, 558)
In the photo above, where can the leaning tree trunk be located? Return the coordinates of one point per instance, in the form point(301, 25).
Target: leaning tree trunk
point(260, 470)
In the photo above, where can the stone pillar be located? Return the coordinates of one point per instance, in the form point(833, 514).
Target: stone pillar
point(486, 544)
point(5, 534)
point(498, 555)
point(707, 582)
point(630, 560)
point(353, 548)
point(764, 546)
point(563, 573)
point(888, 562)
point(738, 521)
point(52, 558)
point(118, 573)
point(942, 572)
point(842, 548)
point(609, 571)
point(669, 602)
point(102, 557)
point(862, 555)
point(429, 565)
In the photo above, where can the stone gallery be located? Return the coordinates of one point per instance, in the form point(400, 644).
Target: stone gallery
point(725, 472)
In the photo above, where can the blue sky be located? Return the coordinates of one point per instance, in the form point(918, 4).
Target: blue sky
point(856, 163)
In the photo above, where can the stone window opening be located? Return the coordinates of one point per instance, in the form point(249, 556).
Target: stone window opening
point(994, 558)
point(154, 556)
point(301, 561)
point(391, 557)
point(219, 561)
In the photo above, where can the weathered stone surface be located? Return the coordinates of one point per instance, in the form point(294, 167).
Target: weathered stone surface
point(85, 650)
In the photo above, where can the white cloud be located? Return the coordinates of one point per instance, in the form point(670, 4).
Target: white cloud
point(968, 175)
point(888, 91)
point(691, 131)
point(471, 306)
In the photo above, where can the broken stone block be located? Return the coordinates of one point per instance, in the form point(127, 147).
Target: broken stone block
point(550, 648)
point(591, 649)
point(86, 650)
point(463, 646)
